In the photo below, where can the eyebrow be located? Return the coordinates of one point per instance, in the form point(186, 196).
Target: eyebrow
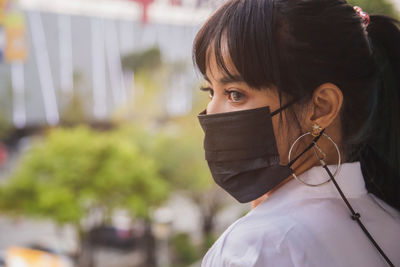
point(228, 79)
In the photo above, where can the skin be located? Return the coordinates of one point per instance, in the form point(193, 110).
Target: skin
point(323, 109)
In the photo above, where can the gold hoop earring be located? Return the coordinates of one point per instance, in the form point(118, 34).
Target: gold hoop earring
point(317, 150)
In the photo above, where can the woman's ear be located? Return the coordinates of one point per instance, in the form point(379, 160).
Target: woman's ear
point(325, 107)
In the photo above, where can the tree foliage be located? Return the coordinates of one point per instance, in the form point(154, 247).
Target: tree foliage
point(148, 59)
point(73, 171)
point(378, 7)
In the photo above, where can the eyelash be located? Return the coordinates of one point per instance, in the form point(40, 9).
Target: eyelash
point(209, 90)
point(226, 92)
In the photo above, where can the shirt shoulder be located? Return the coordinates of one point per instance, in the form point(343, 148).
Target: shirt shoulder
point(272, 237)
point(251, 241)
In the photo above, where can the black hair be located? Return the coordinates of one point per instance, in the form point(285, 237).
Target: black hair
point(297, 45)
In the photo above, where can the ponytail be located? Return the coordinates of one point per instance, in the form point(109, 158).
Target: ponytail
point(380, 154)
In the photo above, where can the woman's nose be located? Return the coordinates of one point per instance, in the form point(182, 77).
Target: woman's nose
point(215, 106)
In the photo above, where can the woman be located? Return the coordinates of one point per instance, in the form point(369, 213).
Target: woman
point(296, 85)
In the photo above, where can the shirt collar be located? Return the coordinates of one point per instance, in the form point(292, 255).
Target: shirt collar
point(349, 178)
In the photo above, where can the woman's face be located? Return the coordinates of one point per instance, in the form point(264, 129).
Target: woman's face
point(233, 94)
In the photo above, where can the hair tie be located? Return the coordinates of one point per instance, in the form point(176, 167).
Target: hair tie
point(363, 15)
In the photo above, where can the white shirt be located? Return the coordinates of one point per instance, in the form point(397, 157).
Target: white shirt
point(311, 226)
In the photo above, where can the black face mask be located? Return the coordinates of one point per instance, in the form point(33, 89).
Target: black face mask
point(242, 153)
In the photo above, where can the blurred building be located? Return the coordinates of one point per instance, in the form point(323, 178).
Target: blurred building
point(74, 48)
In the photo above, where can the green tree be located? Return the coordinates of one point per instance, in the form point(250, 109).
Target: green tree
point(5, 127)
point(381, 7)
point(182, 162)
point(185, 253)
point(148, 59)
point(71, 172)
point(176, 145)
point(174, 142)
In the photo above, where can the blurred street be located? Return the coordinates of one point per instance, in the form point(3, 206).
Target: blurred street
point(31, 233)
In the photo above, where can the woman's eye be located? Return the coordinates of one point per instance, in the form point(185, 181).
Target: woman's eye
point(235, 96)
point(209, 90)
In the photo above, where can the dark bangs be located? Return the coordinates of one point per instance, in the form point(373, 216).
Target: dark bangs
point(246, 29)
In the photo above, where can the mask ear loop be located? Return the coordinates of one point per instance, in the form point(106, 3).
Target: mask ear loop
point(354, 215)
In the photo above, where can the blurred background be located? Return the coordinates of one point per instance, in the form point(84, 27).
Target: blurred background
point(101, 158)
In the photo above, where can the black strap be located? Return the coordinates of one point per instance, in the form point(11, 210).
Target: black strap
point(355, 215)
point(307, 148)
point(279, 110)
